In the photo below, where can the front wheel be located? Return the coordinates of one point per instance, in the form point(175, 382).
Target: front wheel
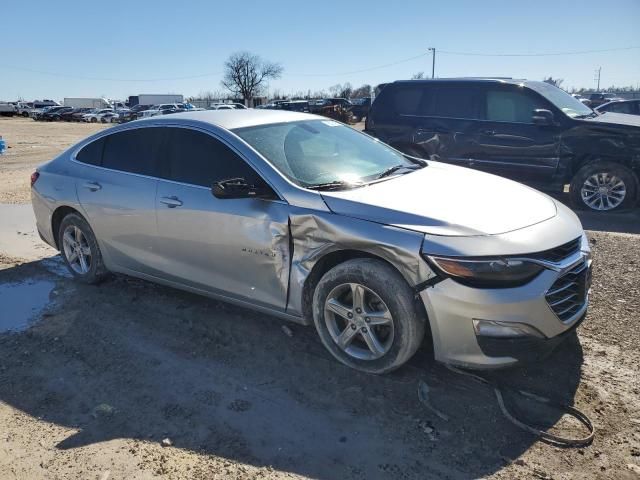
point(366, 316)
point(603, 186)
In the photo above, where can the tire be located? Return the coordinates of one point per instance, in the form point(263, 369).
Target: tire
point(95, 271)
point(616, 177)
point(385, 294)
point(25, 114)
point(94, 120)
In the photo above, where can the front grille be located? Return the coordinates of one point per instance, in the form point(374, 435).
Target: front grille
point(568, 293)
point(558, 254)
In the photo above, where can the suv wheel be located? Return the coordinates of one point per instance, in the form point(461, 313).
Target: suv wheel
point(366, 316)
point(603, 186)
point(80, 250)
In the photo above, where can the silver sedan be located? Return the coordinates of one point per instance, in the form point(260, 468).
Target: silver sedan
point(305, 218)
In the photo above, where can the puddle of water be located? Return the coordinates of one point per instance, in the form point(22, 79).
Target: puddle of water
point(20, 303)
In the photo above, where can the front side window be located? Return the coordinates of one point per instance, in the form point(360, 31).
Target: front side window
point(318, 152)
point(135, 151)
point(199, 159)
point(510, 106)
point(562, 100)
point(621, 107)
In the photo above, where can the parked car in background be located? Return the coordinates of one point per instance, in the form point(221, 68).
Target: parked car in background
point(239, 106)
point(630, 107)
point(221, 106)
point(360, 107)
point(531, 132)
point(162, 109)
point(7, 109)
point(47, 112)
point(598, 98)
point(54, 113)
point(296, 106)
point(77, 114)
point(111, 117)
point(582, 99)
point(132, 113)
point(94, 115)
point(308, 219)
point(24, 108)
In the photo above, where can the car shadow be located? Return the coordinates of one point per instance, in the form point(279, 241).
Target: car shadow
point(132, 360)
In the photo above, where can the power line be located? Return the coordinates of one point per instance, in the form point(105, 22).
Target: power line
point(547, 54)
point(359, 71)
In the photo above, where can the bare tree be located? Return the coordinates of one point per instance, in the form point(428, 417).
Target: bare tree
point(417, 76)
point(361, 92)
point(247, 74)
point(556, 82)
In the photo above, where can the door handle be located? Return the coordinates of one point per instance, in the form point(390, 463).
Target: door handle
point(93, 186)
point(171, 202)
point(488, 132)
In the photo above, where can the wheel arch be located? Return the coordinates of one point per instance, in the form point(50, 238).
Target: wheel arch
point(57, 217)
point(333, 259)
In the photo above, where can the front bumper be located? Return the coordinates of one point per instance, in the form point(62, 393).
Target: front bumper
point(452, 307)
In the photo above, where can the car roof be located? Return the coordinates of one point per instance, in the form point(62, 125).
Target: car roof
point(233, 118)
point(515, 81)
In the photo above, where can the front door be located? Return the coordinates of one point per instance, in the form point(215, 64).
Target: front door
point(233, 247)
point(509, 144)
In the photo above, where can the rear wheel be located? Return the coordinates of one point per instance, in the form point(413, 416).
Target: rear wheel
point(366, 316)
point(604, 186)
point(80, 249)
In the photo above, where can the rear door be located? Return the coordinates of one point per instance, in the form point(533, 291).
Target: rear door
point(508, 143)
point(116, 187)
point(233, 247)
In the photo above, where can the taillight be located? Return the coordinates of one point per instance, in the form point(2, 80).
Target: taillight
point(34, 178)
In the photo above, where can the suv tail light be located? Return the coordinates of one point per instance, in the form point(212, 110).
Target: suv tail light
point(34, 178)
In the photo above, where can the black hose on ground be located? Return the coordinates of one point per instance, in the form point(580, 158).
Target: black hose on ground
point(550, 438)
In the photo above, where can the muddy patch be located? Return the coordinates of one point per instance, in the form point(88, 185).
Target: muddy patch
point(22, 303)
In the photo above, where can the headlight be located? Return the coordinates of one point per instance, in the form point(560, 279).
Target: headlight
point(489, 273)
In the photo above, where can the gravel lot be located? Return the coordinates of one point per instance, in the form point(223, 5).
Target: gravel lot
point(101, 376)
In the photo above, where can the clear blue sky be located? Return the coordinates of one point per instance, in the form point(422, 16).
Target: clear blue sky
point(163, 39)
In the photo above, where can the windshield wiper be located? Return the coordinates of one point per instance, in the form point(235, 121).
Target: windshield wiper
point(589, 115)
point(337, 185)
point(395, 168)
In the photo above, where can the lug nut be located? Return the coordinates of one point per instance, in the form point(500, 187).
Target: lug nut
point(364, 329)
point(353, 327)
point(350, 315)
point(367, 319)
point(358, 310)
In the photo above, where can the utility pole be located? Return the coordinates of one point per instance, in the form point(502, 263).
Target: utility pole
point(598, 78)
point(433, 62)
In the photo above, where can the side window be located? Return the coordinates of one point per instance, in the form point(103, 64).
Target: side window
point(199, 159)
point(135, 151)
point(407, 100)
point(621, 107)
point(455, 102)
point(510, 106)
point(92, 153)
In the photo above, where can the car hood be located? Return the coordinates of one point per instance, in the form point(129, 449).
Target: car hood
point(443, 199)
point(616, 118)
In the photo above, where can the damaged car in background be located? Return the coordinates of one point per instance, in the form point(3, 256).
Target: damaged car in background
point(305, 218)
point(528, 131)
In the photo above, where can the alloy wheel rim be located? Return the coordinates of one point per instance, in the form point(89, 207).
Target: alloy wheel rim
point(603, 191)
point(359, 321)
point(76, 249)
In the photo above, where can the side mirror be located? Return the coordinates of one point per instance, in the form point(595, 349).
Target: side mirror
point(239, 188)
point(542, 117)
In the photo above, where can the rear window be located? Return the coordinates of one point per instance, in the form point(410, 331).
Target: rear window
point(134, 151)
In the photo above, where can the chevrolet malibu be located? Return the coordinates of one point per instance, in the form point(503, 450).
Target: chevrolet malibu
point(302, 217)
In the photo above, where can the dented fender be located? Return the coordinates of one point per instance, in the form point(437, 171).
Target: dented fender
point(316, 234)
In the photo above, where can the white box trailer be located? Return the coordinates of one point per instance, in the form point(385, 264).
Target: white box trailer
point(154, 99)
point(86, 102)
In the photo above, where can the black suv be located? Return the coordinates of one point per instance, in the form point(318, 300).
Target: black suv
point(531, 132)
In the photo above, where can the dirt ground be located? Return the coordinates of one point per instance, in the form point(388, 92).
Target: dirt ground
point(93, 379)
point(30, 144)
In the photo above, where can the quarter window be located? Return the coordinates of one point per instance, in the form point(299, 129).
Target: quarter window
point(508, 106)
point(199, 159)
point(92, 153)
point(135, 151)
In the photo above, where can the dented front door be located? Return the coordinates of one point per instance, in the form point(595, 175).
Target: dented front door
point(233, 247)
